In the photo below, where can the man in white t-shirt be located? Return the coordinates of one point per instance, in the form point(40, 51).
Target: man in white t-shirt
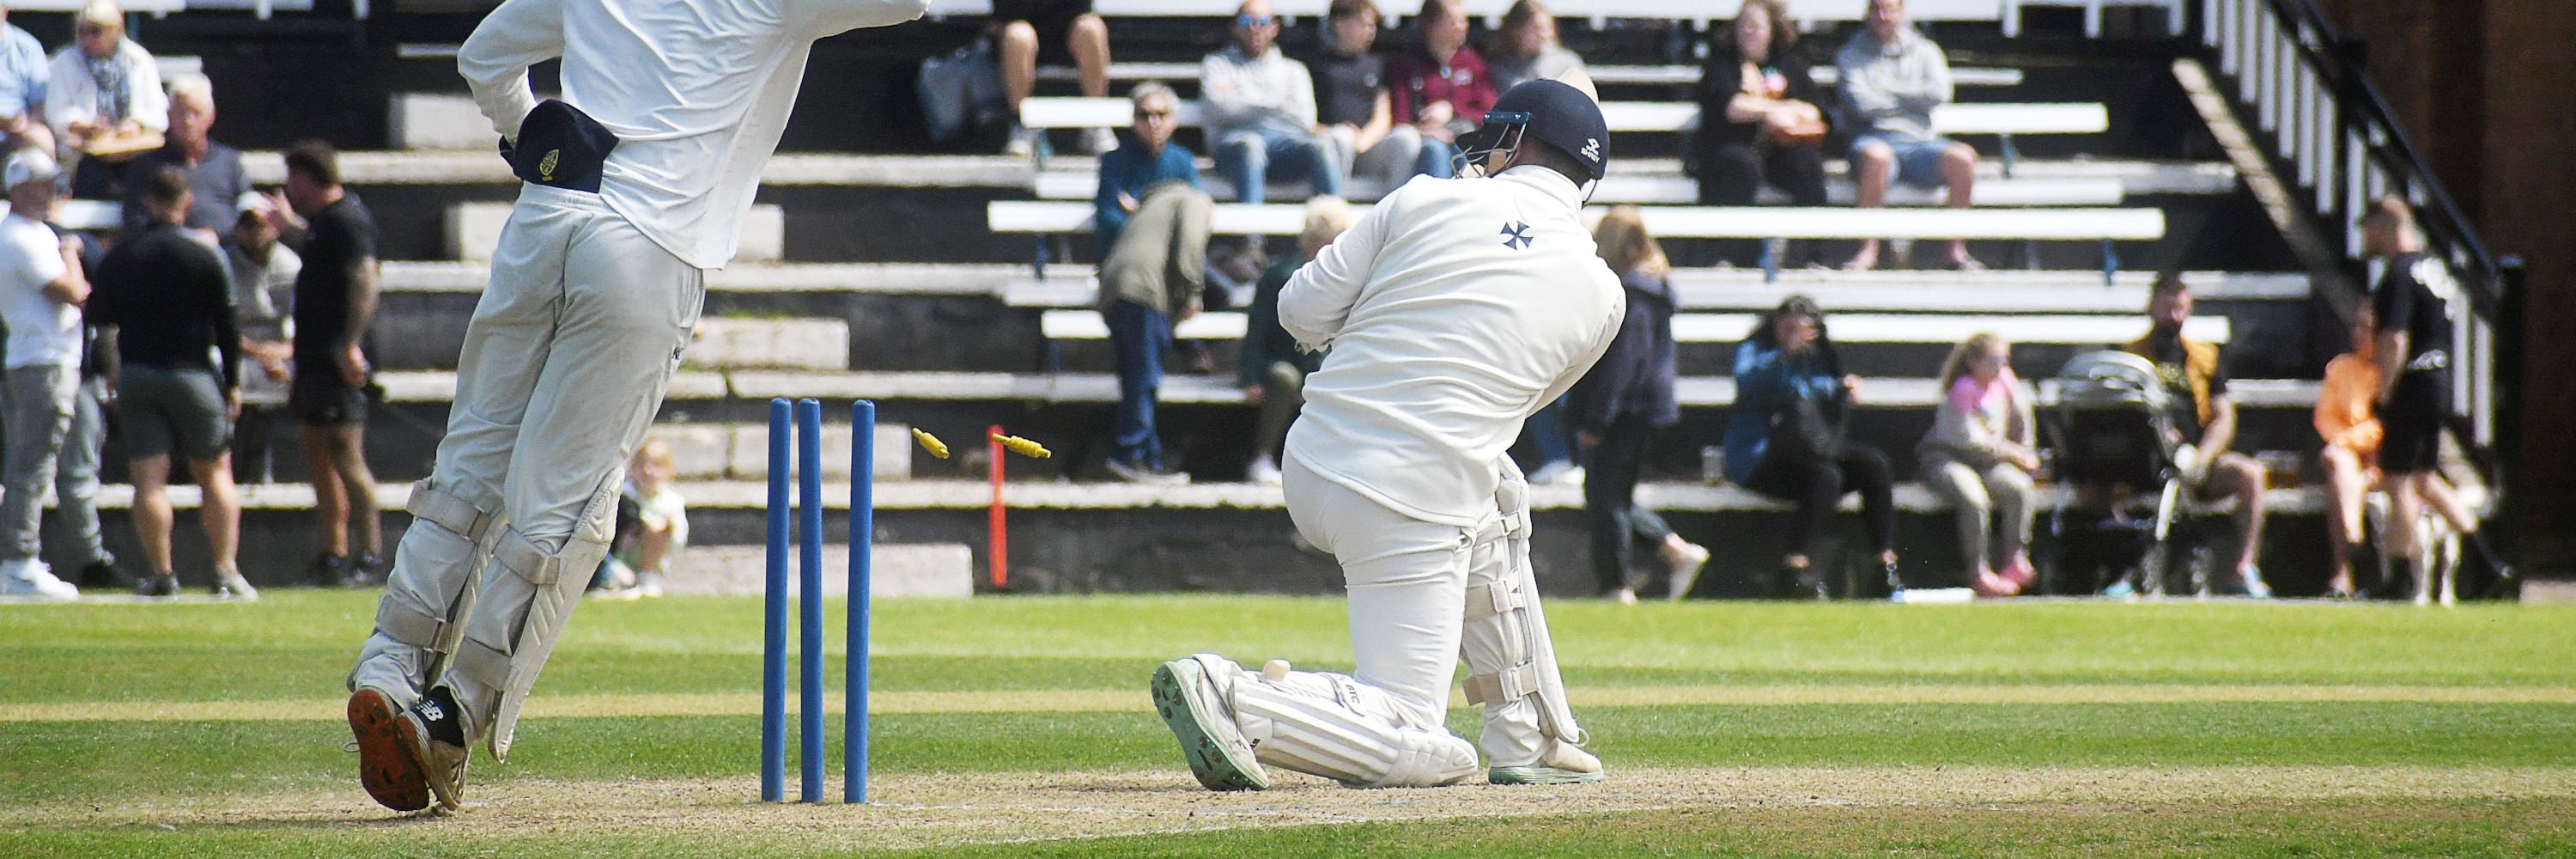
point(41, 288)
point(1453, 310)
point(635, 183)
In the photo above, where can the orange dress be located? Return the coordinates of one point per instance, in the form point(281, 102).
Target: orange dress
point(2344, 415)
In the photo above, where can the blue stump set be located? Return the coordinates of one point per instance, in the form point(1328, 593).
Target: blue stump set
point(807, 436)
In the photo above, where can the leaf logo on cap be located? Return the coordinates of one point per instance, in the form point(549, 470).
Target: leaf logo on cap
point(546, 165)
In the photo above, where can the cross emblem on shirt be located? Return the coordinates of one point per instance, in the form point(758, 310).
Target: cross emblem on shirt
point(1516, 235)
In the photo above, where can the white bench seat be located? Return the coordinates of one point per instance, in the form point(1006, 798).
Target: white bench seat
point(1989, 292)
point(439, 386)
point(1699, 11)
point(1753, 222)
point(1072, 324)
point(2044, 118)
point(1674, 75)
point(1679, 190)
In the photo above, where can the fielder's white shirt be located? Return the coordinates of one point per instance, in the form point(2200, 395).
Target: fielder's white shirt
point(42, 333)
point(697, 92)
point(1454, 309)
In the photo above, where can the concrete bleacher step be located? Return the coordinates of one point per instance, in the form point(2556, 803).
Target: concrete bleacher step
point(481, 164)
point(439, 386)
point(470, 276)
point(719, 451)
point(2071, 224)
point(1066, 324)
point(802, 344)
point(977, 495)
point(941, 570)
point(1807, 12)
point(474, 231)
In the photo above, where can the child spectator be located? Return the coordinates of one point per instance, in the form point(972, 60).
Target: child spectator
point(1980, 454)
point(1627, 396)
point(652, 528)
point(2346, 419)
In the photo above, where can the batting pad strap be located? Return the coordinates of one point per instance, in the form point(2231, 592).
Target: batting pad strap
point(528, 560)
point(410, 625)
point(450, 512)
point(1503, 687)
point(1493, 598)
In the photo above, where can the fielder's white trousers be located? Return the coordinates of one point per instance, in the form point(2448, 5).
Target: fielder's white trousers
point(564, 365)
point(1407, 581)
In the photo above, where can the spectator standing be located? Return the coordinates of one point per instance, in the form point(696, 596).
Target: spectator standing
point(1272, 370)
point(41, 288)
point(335, 301)
point(1261, 109)
point(215, 176)
point(1771, 131)
point(1153, 219)
point(1444, 89)
point(1784, 436)
point(102, 89)
point(1622, 400)
point(1356, 108)
point(2206, 416)
point(24, 73)
point(2414, 309)
point(1891, 79)
point(264, 273)
point(76, 469)
point(1525, 49)
point(1980, 454)
point(171, 299)
point(1053, 31)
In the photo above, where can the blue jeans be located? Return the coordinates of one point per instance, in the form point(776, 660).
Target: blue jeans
point(1244, 155)
point(1436, 155)
point(1547, 429)
point(1138, 336)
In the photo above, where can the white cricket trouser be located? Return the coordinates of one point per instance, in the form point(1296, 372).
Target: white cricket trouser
point(565, 363)
point(1407, 581)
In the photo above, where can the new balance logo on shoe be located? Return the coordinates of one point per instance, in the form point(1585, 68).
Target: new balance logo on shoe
point(431, 711)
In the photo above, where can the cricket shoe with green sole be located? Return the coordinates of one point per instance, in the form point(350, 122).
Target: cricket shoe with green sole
point(1561, 763)
point(1188, 695)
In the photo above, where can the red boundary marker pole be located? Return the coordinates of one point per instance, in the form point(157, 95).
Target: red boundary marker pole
point(999, 548)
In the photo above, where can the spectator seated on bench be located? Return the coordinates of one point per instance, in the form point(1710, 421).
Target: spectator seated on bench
point(1027, 31)
point(1980, 455)
point(2205, 416)
point(1891, 78)
point(1771, 131)
point(1153, 219)
point(1261, 109)
point(1444, 89)
point(1525, 48)
point(1783, 437)
point(1357, 110)
point(104, 94)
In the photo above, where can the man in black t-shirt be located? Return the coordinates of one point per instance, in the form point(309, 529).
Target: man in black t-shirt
point(335, 298)
point(170, 297)
point(2416, 303)
point(2196, 377)
point(1353, 105)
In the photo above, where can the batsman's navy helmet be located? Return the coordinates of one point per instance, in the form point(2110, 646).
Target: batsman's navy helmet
point(1552, 111)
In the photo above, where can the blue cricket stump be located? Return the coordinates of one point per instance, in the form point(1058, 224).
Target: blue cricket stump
point(807, 435)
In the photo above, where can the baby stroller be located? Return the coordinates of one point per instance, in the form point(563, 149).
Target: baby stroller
point(2114, 434)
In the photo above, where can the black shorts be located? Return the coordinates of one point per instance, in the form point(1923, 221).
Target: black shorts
point(2411, 423)
point(1053, 19)
point(320, 397)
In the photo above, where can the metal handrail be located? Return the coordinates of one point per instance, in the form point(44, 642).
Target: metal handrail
point(2340, 146)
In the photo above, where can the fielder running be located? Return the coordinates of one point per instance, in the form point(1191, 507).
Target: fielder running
point(635, 184)
point(1453, 310)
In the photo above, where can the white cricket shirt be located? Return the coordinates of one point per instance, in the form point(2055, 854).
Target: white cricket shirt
point(697, 92)
point(1454, 309)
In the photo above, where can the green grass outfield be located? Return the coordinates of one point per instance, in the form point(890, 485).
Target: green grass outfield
point(1848, 729)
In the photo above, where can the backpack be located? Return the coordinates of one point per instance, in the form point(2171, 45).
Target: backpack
point(962, 90)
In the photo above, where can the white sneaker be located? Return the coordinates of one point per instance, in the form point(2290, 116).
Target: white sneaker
point(1561, 763)
point(1263, 471)
point(1024, 142)
point(1139, 474)
point(229, 584)
point(648, 584)
point(1685, 571)
point(1098, 141)
point(31, 578)
point(1554, 473)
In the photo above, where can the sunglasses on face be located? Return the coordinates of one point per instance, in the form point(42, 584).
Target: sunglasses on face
point(1153, 114)
point(1254, 20)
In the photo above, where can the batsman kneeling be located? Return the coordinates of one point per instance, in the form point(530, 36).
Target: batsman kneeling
point(1453, 311)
